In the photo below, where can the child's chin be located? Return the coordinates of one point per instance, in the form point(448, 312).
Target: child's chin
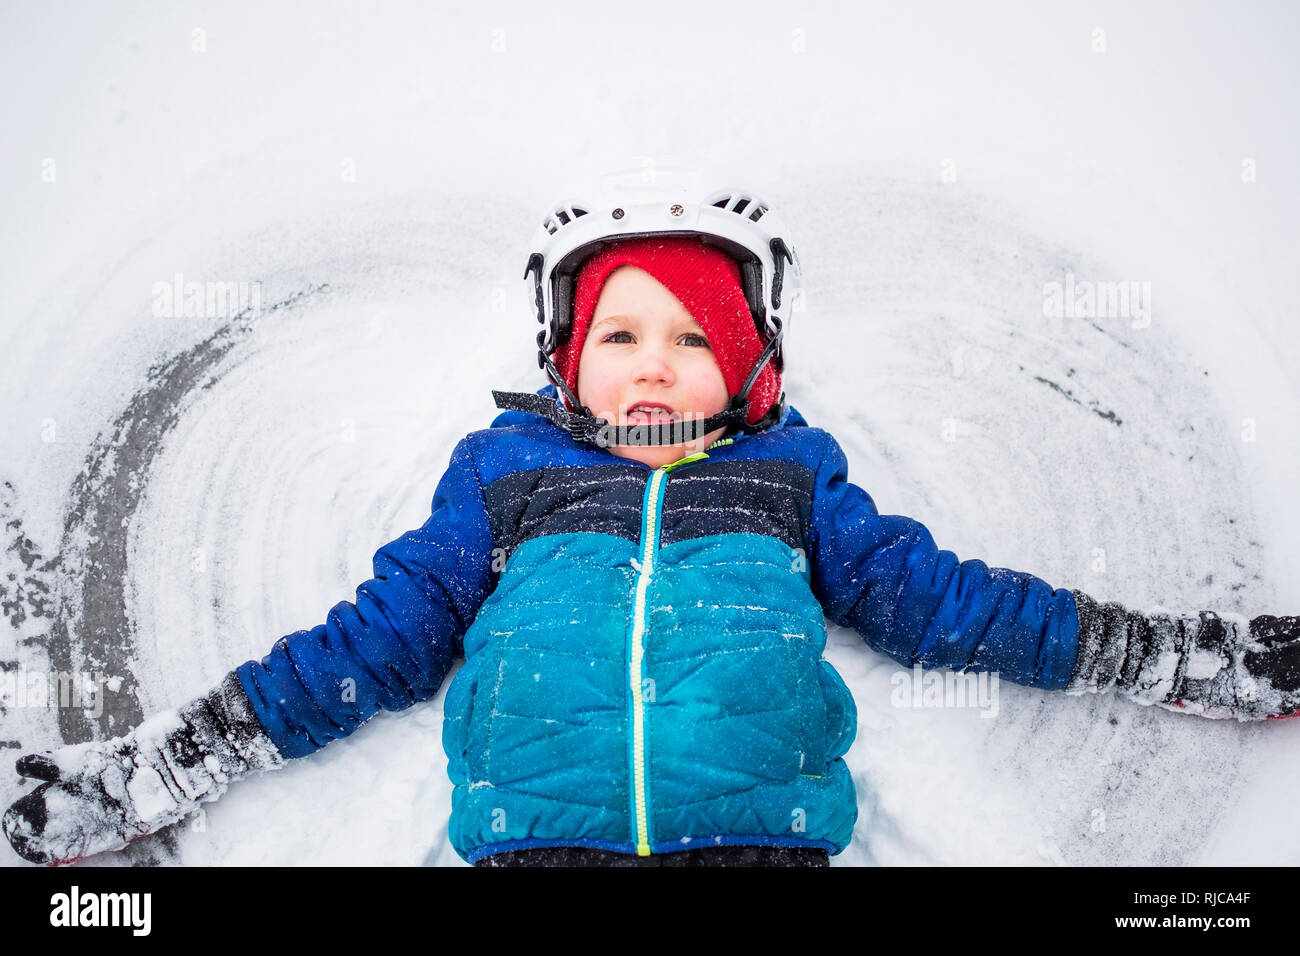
point(653, 455)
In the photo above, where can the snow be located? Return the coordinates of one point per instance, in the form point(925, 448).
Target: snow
point(183, 498)
point(1203, 664)
point(148, 793)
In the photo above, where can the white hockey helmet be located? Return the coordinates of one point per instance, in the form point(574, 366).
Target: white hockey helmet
point(736, 221)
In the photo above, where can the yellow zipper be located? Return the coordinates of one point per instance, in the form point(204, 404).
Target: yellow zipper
point(649, 548)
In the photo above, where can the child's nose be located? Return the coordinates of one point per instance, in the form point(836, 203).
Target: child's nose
point(653, 366)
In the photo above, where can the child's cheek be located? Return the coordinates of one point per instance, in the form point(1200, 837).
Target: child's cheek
point(601, 391)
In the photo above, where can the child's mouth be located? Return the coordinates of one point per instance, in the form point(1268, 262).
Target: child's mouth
point(652, 416)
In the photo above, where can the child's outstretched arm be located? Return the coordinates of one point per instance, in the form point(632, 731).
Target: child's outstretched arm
point(1201, 664)
point(390, 649)
point(883, 576)
point(103, 794)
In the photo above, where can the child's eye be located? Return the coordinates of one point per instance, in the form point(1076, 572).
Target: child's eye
point(689, 335)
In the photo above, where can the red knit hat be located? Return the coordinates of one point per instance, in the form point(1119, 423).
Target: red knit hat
point(706, 281)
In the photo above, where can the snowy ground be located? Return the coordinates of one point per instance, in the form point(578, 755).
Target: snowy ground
point(178, 492)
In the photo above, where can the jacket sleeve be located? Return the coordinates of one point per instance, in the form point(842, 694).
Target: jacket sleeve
point(393, 647)
point(883, 576)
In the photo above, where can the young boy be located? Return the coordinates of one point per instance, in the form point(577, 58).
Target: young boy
point(640, 597)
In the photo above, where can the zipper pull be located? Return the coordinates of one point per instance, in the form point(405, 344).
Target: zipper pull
point(685, 461)
point(697, 456)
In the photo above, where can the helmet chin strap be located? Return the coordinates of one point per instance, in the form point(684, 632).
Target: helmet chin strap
point(584, 427)
point(597, 431)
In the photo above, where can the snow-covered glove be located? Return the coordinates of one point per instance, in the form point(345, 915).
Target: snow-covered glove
point(102, 795)
point(1211, 665)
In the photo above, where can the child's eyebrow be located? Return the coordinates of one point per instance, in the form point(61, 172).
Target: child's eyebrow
point(633, 320)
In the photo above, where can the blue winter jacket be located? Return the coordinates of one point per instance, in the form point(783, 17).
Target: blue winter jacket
point(643, 646)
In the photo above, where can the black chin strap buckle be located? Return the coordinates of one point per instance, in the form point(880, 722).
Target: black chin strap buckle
point(580, 425)
point(584, 428)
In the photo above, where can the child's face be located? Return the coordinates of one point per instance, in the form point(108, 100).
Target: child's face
point(643, 346)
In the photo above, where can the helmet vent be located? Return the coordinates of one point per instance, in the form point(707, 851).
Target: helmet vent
point(742, 205)
point(562, 217)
